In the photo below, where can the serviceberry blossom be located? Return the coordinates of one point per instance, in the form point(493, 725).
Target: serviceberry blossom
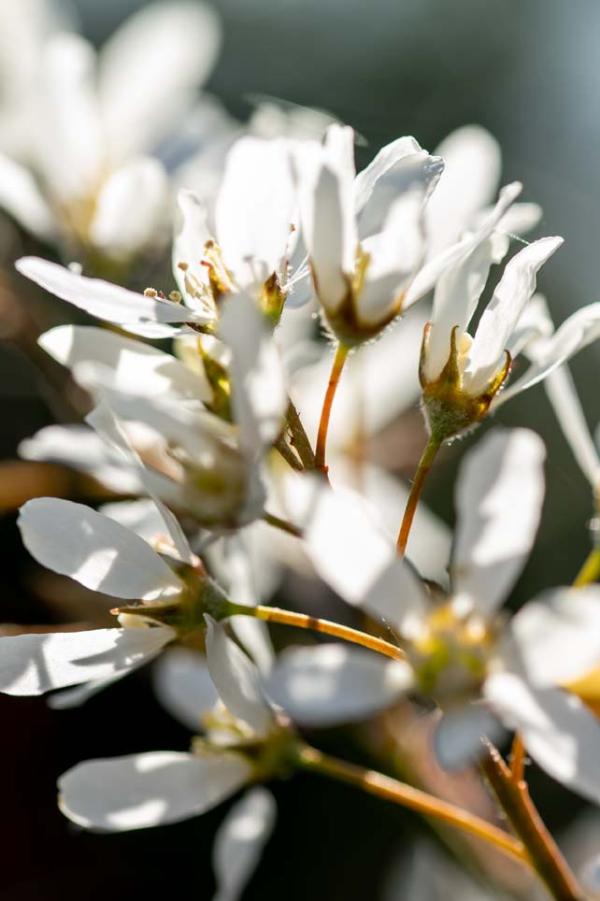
point(456, 645)
point(81, 169)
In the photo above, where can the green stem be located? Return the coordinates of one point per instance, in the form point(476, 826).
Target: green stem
point(590, 571)
point(282, 524)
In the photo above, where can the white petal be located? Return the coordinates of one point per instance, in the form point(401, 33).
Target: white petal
point(561, 390)
point(501, 315)
point(556, 637)
point(455, 300)
point(576, 332)
point(327, 213)
point(255, 209)
point(68, 698)
point(380, 165)
point(153, 789)
point(129, 365)
point(239, 842)
point(345, 546)
point(332, 683)
point(67, 109)
point(188, 246)
point(78, 447)
point(100, 298)
point(259, 388)
point(155, 61)
point(558, 730)
point(426, 279)
point(459, 735)
point(499, 496)
point(34, 664)
point(74, 540)
point(184, 687)
point(141, 517)
point(472, 161)
point(131, 209)
point(521, 218)
point(21, 198)
point(237, 680)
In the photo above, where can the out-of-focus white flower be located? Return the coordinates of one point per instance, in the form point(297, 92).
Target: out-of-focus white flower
point(455, 645)
point(364, 234)
point(239, 842)
point(80, 174)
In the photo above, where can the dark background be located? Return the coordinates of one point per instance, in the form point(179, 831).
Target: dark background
point(527, 70)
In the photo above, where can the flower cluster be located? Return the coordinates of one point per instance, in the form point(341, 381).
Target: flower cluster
point(213, 452)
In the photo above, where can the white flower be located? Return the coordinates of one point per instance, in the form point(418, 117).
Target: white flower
point(83, 178)
point(454, 645)
point(364, 234)
point(468, 185)
point(101, 555)
point(191, 458)
point(559, 385)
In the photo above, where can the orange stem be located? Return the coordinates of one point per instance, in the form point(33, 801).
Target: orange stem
point(336, 370)
point(425, 464)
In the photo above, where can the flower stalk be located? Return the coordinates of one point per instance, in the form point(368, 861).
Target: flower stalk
point(389, 789)
point(315, 624)
point(339, 361)
point(425, 463)
point(516, 802)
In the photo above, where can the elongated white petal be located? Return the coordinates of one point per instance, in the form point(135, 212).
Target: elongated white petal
point(327, 214)
point(100, 298)
point(79, 448)
point(142, 790)
point(562, 393)
point(576, 332)
point(472, 161)
point(334, 683)
point(501, 315)
point(259, 388)
point(558, 730)
point(255, 209)
point(456, 297)
point(131, 209)
point(34, 664)
point(381, 164)
point(354, 556)
point(129, 365)
point(428, 276)
point(556, 637)
point(155, 61)
point(460, 732)
point(184, 687)
point(141, 517)
point(74, 540)
point(21, 198)
point(499, 496)
point(188, 247)
point(67, 108)
point(345, 546)
point(239, 842)
point(237, 679)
